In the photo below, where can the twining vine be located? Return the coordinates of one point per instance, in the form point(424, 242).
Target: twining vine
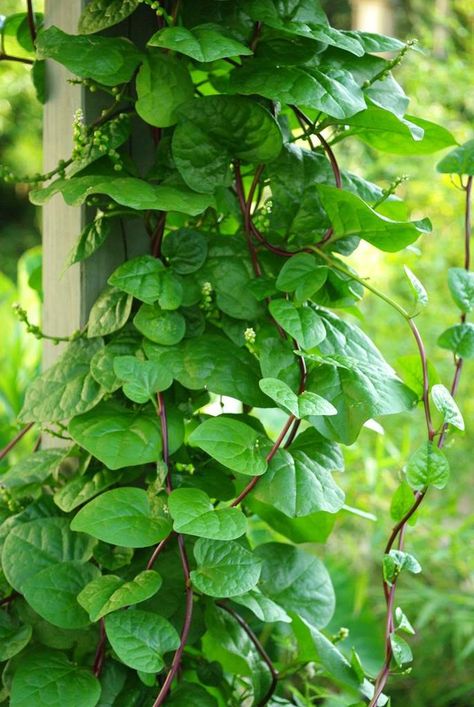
point(156, 557)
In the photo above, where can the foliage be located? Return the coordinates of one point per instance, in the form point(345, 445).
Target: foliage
point(246, 294)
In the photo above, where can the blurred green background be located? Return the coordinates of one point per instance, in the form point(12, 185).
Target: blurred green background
point(440, 602)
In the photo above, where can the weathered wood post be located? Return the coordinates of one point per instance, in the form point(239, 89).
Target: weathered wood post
point(373, 16)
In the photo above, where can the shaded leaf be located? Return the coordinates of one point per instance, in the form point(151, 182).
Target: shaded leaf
point(224, 569)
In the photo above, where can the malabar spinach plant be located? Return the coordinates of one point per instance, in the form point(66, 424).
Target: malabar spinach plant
point(164, 550)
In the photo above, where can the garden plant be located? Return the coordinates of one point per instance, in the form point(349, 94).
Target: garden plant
point(160, 543)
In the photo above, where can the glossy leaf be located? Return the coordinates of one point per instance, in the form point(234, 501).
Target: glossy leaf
point(185, 250)
point(458, 161)
point(13, 636)
point(232, 444)
point(461, 286)
point(419, 292)
point(213, 130)
point(224, 569)
point(194, 514)
point(428, 466)
point(107, 60)
point(301, 323)
point(401, 650)
point(109, 312)
point(140, 638)
point(123, 516)
point(298, 405)
point(350, 216)
point(98, 15)
point(118, 436)
point(204, 43)
point(396, 561)
point(82, 488)
point(46, 678)
point(163, 85)
point(109, 593)
point(159, 325)
point(447, 406)
point(141, 379)
point(140, 277)
point(459, 339)
point(90, 240)
point(65, 389)
point(34, 469)
point(264, 608)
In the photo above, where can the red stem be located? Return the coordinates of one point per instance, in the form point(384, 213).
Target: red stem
point(100, 652)
point(22, 60)
point(15, 440)
point(31, 20)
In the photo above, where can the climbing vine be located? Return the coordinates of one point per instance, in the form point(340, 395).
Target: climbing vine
point(161, 552)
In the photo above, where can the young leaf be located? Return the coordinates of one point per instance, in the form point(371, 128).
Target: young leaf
point(141, 638)
point(118, 436)
point(301, 323)
point(264, 608)
point(402, 500)
point(396, 561)
point(401, 650)
point(402, 623)
point(281, 393)
point(98, 15)
point(126, 342)
point(90, 240)
point(459, 339)
point(46, 678)
point(160, 326)
point(140, 277)
point(82, 488)
point(421, 295)
point(194, 514)
point(350, 216)
point(461, 286)
point(163, 85)
point(213, 130)
point(447, 406)
point(203, 43)
point(224, 569)
point(124, 517)
point(298, 486)
point(232, 444)
point(312, 404)
point(458, 161)
point(109, 312)
point(427, 467)
point(65, 389)
point(141, 379)
point(297, 581)
point(84, 56)
point(185, 249)
point(109, 593)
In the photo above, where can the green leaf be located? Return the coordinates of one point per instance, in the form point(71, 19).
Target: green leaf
point(98, 15)
point(402, 500)
point(203, 43)
point(158, 325)
point(163, 85)
point(224, 569)
point(458, 161)
point(386, 132)
point(90, 240)
point(396, 561)
point(13, 637)
point(214, 130)
point(52, 593)
point(461, 286)
point(421, 295)
point(140, 277)
point(83, 488)
point(194, 514)
point(303, 275)
point(264, 608)
point(232, 443)
point(298, 486)
point(34, 469)
point(191, 694)
point(118, 436)
point(65, 389)
point(401, 650)
point(314, 528)
point(297, 581)
point(40, 544)
point(107, 60)
point(402, 623)
point(142, 379)
point(459, 339)
point(47, 678)
point(109, 593)
point(356, 380)
point(123, 516)
point(130, 192)
point(109, 312)
point(298, 405)
point(301, 323)
point(334, 93)
point(102, 363)
point(350, 216)
point(185, 249)
point(447, 406)
point(140, 638)
point(427, 467)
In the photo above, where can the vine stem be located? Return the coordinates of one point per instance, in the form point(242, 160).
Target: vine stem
point(9, 57)
point(400, 527)
point(276, 446)
point(260, 649)
point(100, 652)
point(15, 440)
point(31, 20)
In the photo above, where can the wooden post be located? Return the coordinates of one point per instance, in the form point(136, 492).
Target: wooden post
point(69, 294)
point(373, 16)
